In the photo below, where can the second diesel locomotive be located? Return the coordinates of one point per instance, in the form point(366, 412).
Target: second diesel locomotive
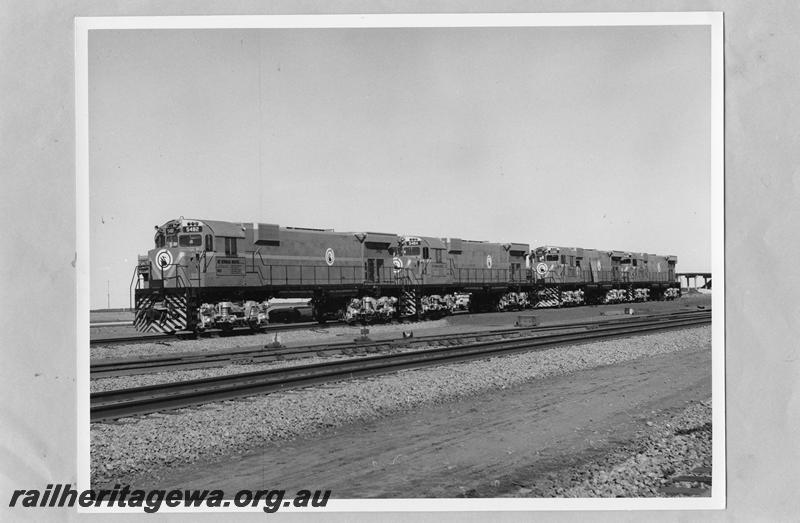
point(204, 273)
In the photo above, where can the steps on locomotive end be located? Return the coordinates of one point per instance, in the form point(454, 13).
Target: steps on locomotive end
point(408, 303)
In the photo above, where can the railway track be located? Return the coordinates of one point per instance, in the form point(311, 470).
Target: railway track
point(114, 367)
point(143, 400)
point(150, 338)
point(699, 481)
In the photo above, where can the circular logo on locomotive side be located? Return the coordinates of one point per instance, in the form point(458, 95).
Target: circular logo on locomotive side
point(163, 258)
point(541, 269)
point(397, 263)
point(330, 256)
point(488, 261)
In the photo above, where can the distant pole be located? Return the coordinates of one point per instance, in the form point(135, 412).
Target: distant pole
point(108, 294)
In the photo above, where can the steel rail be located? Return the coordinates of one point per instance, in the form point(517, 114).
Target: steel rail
point(115, 367)
point(239, 331)
point(142, 400)
point(698, 476)
point(101, 324)
point(141, 338)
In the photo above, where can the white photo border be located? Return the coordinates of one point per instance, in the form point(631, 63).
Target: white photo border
point(83, 25)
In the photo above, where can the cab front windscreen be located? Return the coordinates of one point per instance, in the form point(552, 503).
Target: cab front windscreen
point(190, 240)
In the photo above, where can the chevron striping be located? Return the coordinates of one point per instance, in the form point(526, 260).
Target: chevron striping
point(548, 297)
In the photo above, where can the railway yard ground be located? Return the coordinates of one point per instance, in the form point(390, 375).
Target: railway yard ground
point(619, 417)
point(335, 332)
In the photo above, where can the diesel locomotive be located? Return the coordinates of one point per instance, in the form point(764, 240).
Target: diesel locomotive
point(204, 274)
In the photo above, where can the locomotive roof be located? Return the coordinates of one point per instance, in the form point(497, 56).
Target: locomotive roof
point(613, 252)
point(380, 237)
point(430, 241)
point(517, 246)
point(229, 229)
point(237, 230)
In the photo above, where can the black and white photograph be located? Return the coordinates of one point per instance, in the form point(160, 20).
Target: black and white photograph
point(396, 262)
point(399, 261)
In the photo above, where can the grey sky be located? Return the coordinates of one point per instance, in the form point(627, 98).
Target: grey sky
point(592, 137)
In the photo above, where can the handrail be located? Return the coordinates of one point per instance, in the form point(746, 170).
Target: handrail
point(292, 274)
point(181, 276)
point(602, 277)
point(205, 266)
point(134, 276)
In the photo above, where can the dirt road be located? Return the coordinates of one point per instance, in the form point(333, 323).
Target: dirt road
point(476, 447)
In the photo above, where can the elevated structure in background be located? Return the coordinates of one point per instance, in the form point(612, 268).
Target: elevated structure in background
point(694, 280)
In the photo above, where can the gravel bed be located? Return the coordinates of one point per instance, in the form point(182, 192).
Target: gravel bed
point(156, 378)
point(311, 334)
point(664, 450)
point(145, 444)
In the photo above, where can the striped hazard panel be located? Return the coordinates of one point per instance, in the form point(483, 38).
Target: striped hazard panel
point(548, 297)
point(155, 315)
point(408, 303)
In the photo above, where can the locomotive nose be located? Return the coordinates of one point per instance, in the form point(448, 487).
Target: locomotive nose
point(165, 261)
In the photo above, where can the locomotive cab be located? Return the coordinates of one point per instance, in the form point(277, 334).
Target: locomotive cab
point(174, 260)
point(546, 261)
point(423, 259)
point(563, 264)
point(634, 267)
point(411, 258)
point(547, 255)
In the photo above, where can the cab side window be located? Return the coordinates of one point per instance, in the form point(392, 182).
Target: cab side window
point(425, 253)
point(209, 243)
point(230, 246)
